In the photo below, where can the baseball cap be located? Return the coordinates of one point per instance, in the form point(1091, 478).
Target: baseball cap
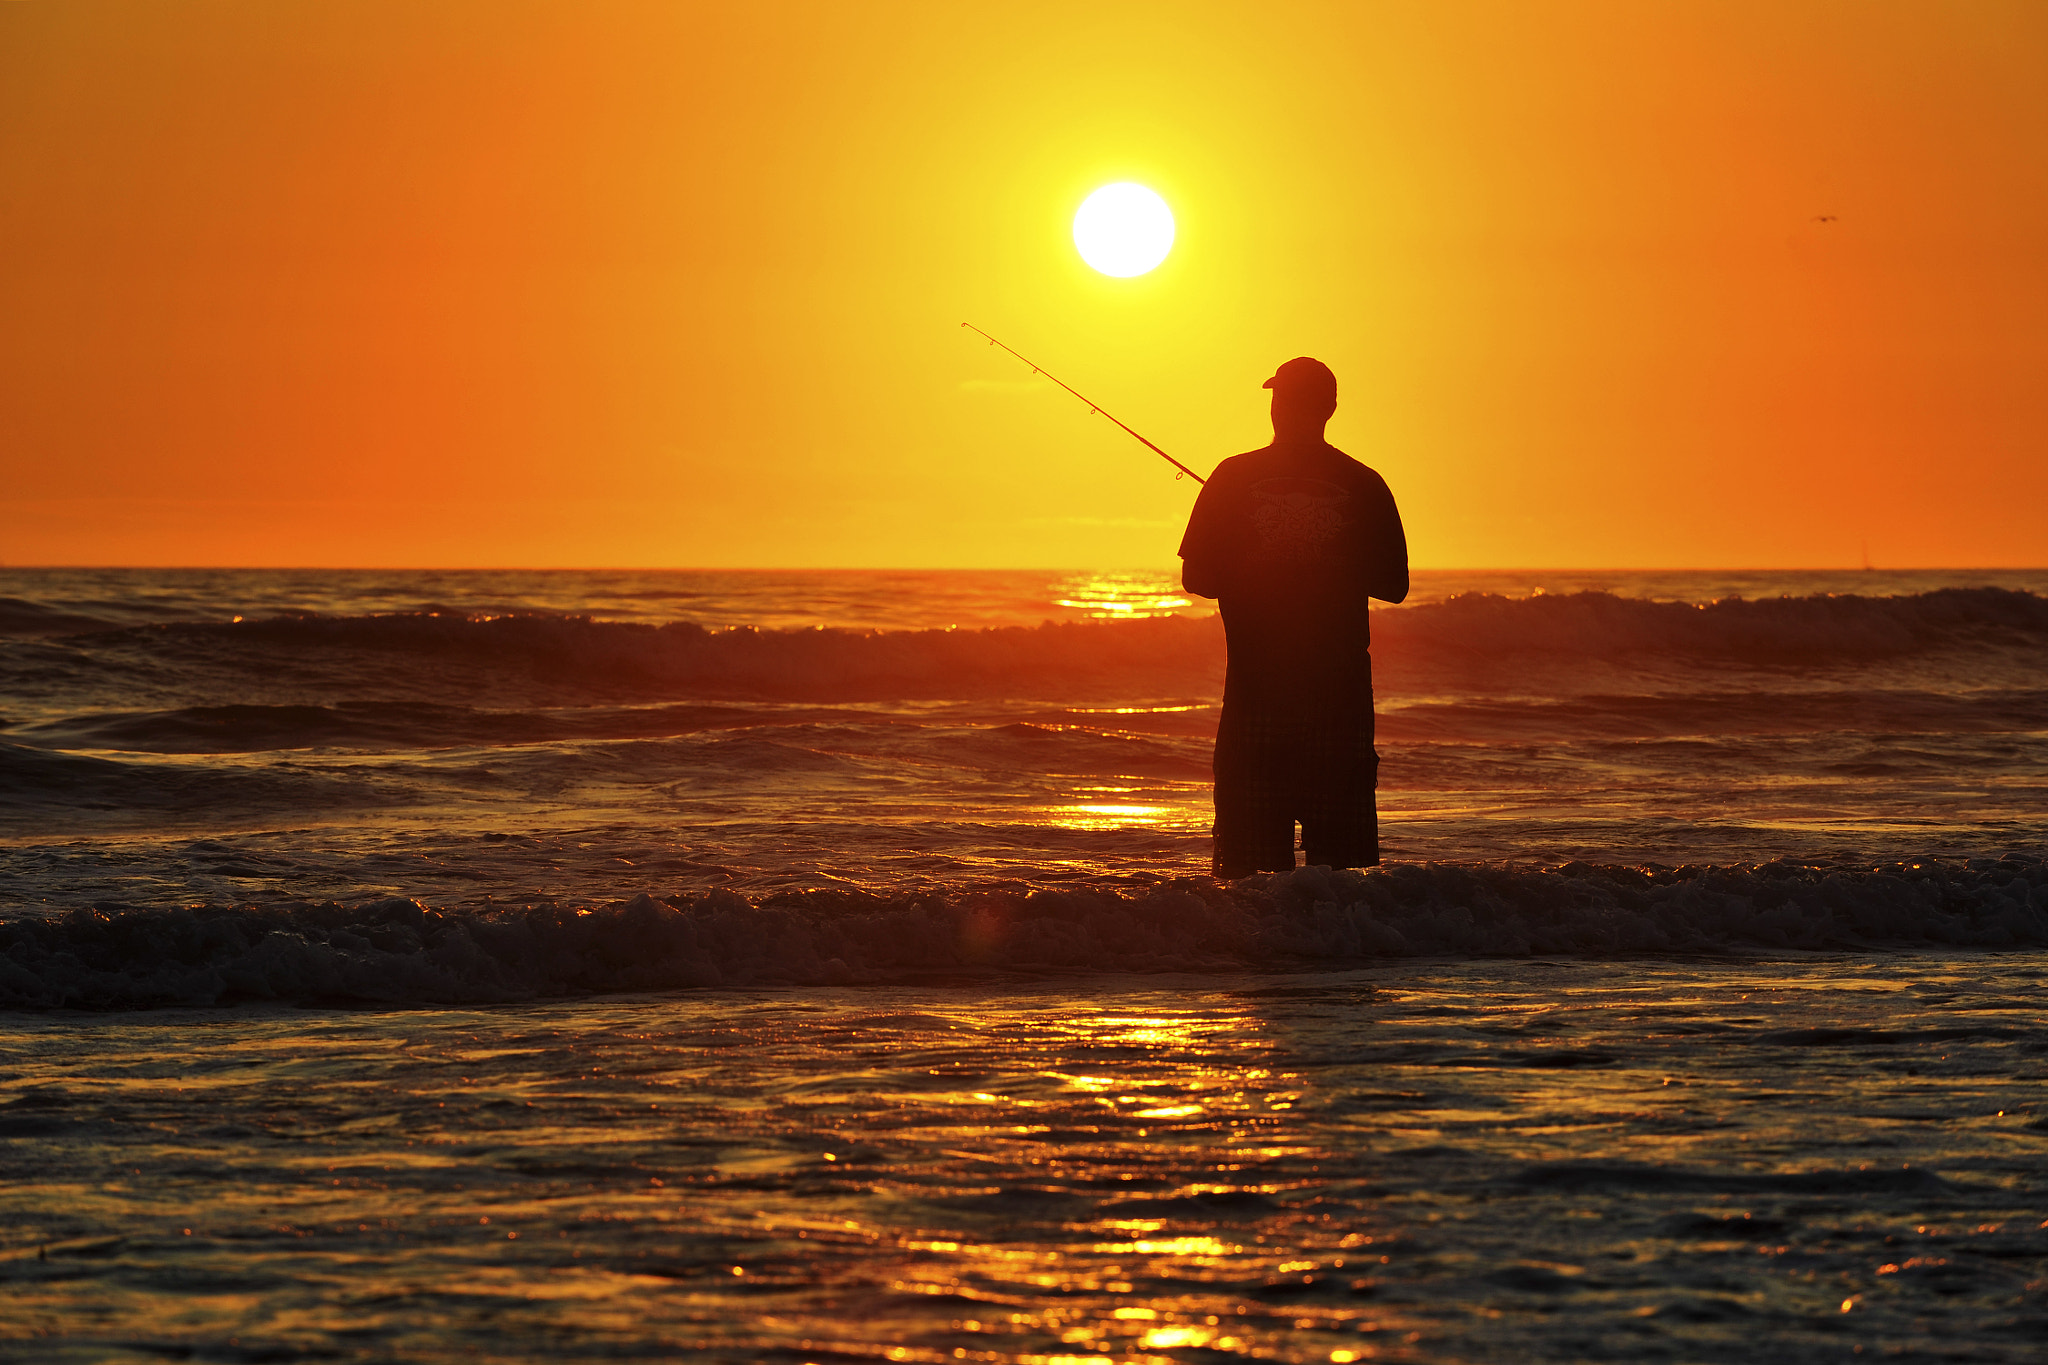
point(1304, 374)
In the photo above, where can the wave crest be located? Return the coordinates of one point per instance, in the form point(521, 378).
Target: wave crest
point(399, 952)
point(1166, 654)
point(1772, 630)
point(578, 658)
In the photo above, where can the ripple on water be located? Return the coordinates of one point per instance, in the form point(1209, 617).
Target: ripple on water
point(1742, 1162)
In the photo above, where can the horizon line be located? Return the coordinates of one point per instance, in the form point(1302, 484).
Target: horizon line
point(1023, 568)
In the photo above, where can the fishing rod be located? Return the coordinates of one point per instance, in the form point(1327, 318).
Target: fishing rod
point(1093, 406)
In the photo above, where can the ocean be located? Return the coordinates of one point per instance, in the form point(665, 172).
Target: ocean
point(825, 966)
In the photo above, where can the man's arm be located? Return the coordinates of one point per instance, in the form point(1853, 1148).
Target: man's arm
point(1200, 579)
point(1387, 574)
point(1201, 571)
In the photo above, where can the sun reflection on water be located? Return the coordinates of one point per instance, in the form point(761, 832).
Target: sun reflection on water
point(1122, 596)
point(1103, 815)
point(1320, 1167)
point(1170, 1246)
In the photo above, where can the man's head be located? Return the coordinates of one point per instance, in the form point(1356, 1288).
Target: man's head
point(1304, 396)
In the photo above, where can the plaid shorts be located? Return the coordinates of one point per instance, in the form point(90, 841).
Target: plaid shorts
point(1274, 768)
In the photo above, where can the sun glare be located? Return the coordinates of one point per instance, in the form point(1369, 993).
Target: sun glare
point(1123, 229)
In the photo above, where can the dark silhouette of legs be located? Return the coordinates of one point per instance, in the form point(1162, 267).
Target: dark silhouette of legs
point(1340, 823)
point(1254, 817)
point(1273, 768)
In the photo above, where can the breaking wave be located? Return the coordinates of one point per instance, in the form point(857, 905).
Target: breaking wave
point(1772, 630)
point(399, 952)
point(578, 657)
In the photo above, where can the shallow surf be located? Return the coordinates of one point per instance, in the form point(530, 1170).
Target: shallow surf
point(1696, 1014)
point(1816, 1158)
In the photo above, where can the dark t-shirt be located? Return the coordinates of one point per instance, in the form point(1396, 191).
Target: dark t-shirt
point(1292, 541)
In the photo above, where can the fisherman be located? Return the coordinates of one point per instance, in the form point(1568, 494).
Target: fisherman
point(1292, 540)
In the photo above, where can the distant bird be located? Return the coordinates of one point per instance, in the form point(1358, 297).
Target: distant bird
point(1824, 218)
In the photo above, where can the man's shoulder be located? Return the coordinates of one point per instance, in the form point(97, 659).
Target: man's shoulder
point(1273, 461)
point(1248, 465)
point(1355, 468)
point(1363, 478)
point(1279, 462)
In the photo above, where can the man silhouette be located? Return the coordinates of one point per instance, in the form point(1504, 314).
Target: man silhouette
point(1292, 540)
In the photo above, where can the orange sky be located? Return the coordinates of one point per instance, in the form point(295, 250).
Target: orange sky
point(481, 282)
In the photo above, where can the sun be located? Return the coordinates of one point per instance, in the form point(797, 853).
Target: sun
point(1123, 229)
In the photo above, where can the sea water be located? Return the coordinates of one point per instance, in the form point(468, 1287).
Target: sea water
point(815, 966)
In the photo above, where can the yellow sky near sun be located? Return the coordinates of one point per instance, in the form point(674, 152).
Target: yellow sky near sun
point(500, 283)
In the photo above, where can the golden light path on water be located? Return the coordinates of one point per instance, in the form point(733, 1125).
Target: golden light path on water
point(1425, 1160)
point(1110, 815)
point(1129, 596)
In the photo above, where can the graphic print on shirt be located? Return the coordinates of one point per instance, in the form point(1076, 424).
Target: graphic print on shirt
point(1299, 519)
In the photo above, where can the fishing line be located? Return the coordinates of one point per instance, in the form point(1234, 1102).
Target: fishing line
point(1093, 406)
